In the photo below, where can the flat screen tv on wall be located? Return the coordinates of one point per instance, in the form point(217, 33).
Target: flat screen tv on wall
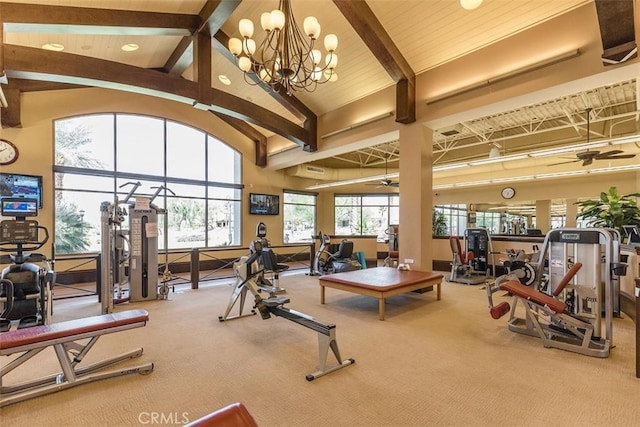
point(18, 185)
point(264, 204)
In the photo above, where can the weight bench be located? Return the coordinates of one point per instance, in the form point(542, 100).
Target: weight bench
point(64, 337)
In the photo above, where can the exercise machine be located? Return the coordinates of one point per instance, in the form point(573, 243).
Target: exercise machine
point(573, 309)
point(471, 266)
point(326, 262)
point(274, 305)
point(26, 288)
point(272, 266)
point(129, 251)
point(393, 257)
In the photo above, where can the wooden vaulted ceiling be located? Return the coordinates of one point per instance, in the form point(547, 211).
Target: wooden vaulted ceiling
point(199, 33)
point(202, 34)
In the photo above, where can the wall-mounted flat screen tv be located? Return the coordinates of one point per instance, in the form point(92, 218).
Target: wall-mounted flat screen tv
point(264, 204)
point(18, 185)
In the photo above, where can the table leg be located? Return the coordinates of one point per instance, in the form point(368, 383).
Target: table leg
point(381, 308)
point(321, 294)
point(438, 290)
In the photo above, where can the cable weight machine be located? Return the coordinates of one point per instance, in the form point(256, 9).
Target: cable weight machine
point(129, 250)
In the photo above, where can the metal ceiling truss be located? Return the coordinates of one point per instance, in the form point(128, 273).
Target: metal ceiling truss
point(612, 105)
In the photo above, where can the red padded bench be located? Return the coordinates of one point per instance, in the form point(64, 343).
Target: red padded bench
point(234, 415)
point(63, 337)
point(381, 283)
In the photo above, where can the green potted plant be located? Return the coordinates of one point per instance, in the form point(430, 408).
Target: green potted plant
point(611, 210)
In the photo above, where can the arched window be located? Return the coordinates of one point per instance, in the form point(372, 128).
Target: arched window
point(99, 157)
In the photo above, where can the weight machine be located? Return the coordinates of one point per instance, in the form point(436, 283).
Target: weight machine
point(578, 297)
point(471, 266)
point(129, 230)
point(26, 288)
point(325, 262)
point(248, 270)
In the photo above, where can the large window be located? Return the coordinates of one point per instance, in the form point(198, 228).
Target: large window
point(195, 177)
point(299, 217)
point(455, 217)
point(366, 215)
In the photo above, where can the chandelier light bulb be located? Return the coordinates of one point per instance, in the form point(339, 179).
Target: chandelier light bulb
point(330, 42)
point(264, 75)
point(470, 4)
point(316, 74)
point(235, 46)
point(315, 56)
point(331, 61)
point(265, 21)
point(249, 47)
point(331, 75)
point(311, 27)
point(246, 28)
point(277, 19)
point(244, 63)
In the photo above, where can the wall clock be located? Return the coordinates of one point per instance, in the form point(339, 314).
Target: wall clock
point(8, 152)
point(508, 192)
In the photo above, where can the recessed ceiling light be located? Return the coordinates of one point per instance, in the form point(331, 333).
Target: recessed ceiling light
point(53, 46)
point(130, 47)
point(470, 4)
point(224, 79)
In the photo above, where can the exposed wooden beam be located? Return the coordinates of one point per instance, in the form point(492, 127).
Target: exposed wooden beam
point(180, 58)
point(212, 15)
point(202, 67)
point(250, 132)
point(38, 64)
point(11, 115)
point(617, 30)
point(22, 17)
point(215, 13)
point(36, 85)
point(371, 31)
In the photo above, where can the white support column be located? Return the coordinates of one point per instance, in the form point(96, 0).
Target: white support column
point(543, 215)
point(416, 182)
point(571, 212)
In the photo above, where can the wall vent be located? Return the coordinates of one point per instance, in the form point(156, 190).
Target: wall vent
point(314, 169)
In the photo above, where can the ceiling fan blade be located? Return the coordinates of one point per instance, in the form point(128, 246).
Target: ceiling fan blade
point(587, 162)
point(562, 163)
point(622, 156)
point(606, 154)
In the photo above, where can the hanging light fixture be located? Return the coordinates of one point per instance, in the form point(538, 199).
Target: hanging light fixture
point(286, 57)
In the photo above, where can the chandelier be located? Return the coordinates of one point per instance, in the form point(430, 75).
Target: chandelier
point(286, 57)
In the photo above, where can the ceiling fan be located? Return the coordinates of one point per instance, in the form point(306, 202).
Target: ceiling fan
point(587, 157)
point(386, 182)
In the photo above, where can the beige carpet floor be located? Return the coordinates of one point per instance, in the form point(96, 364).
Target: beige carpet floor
point(441, 363)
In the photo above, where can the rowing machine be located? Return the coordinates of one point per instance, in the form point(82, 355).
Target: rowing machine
point(274, 305)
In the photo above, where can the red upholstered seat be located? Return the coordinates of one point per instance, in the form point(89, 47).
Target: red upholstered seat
point(71, 328)
point(234, 415)
point(518, 289)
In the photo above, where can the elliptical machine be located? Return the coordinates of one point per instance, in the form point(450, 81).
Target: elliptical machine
point(326, 262)
point(26, 288)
